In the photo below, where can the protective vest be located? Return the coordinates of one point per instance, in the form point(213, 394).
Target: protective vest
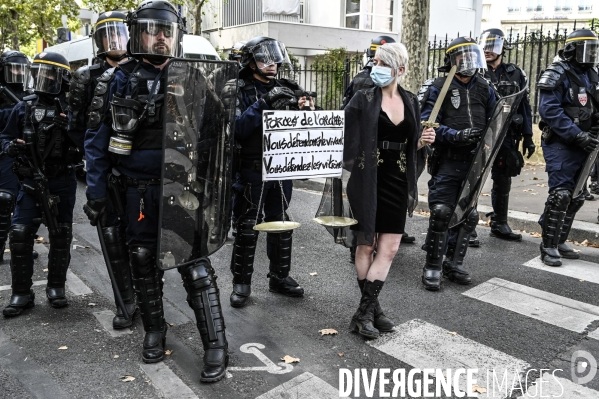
point(82, 79)
point(52, 143)
point(465, 108)
point(508, 82)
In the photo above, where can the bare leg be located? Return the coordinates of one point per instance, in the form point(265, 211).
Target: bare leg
point(387, 247)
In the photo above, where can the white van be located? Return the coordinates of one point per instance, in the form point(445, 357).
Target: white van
point(79, 52)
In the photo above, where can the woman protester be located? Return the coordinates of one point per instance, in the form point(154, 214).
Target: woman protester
point(383, 134)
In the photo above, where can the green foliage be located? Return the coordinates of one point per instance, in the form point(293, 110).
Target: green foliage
point(108, 5)
point(332, 65)
point(594, 24)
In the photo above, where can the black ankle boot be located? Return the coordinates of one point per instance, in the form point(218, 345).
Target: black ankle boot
point(18, 303)
point(154, 343)
point(381, 322)
point(455, 271)
point(240, 295)
point(363, 319)
point(284, 285)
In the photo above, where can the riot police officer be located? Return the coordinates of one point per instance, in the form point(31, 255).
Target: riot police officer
point(110, 45)
point(259, 90)
point(218, 76)
point(463, 117)
point(12, 79)
point(569, 109)
point(155, 33)
point(36, 137)
point(236, 50)
point(508, 79)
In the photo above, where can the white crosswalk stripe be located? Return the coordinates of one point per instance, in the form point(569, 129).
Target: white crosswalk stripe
point(167, 382)
point(304, 386)
point(105, 318)
point(575, 268)
point(540, 305)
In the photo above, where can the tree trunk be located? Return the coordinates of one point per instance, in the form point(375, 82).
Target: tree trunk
point(414, 34)
point(15, 37)
point(197, 16)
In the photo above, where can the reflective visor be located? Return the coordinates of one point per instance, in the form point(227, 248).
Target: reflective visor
point(467, 57)
point(491, 42)
point(156, 37)
point(111, 37)
point(44, 78)
point(588, 52)
point(14, 73)
point(270, 52)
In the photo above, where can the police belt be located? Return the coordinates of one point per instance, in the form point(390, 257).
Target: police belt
point(457, 155)
point(49, 170)
point(389, 145)
point(253, 164)
point(131, 182)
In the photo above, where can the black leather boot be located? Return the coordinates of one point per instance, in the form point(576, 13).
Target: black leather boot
point(564, 250)
point(204, 298)
point(148, 289)
point(381, 322)
point(242, 261)
point(59, 258)
point(363, 319)
point(436, 241)
point(553, 220)
point(118, 254)
point(453, 268)
point(407, 239)
point(7, 206)
point(21, 269)
point(500, 199)
point(280, 264)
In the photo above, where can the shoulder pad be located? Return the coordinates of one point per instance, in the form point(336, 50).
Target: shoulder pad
point(82, 75)
point(128, 66)
point(289, 83)
point(424, 89)
point(107, 75)
point(510, 67)
point(552, 76)
point(438, 82)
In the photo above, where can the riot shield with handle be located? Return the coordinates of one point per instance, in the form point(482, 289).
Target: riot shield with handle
point(195, 211)
point(485, 154)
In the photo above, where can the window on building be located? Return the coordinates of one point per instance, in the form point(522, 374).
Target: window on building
point(486, 12)
point(585, 5)
point(513, 6)
point(369, 14)
point(535, 5)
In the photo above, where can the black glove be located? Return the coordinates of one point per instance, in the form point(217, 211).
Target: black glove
point(62, 122)
point(528, 145)
point(15, 149)
point(279, 98)
point(470, 135)
point(94, 209)
point(585, 141)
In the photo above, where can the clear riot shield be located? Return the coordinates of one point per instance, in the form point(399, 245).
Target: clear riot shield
point(195, 211)
point(487, 150)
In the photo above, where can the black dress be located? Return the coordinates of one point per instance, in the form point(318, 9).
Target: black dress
point(392, 183)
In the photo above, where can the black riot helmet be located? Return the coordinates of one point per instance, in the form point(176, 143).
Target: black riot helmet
point(466, 54)
point(263, 51)
point(111, 35)
point(376, 43)
point(12, 67)
point(155, 31)
point(48, 74)
point(582, 48)
point(236, 50)
point(494, 41)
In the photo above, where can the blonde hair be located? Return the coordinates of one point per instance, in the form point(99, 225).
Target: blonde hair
point(394, 55)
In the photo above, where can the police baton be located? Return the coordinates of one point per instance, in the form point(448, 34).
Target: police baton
point(115, 287)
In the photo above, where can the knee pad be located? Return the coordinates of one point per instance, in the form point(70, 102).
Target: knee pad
point(559, 199)
point(7, 202)
point(197, 278)
point(440, 215)
point(143, 261)
point(575, 205)
point(471, 221)
point(21, 238)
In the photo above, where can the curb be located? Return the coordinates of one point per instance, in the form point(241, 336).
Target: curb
point(517, 220)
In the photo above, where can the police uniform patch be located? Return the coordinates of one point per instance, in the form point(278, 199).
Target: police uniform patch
point(150, 83)
point(455, 101)
point(582, 96)
point(50, 113)
point(39, 114)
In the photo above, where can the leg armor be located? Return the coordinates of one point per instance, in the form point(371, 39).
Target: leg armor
point(242, 260)
point(473, 240)
point(59, 258)
point(203, 297)
point(148, 288)
point(7, 206)
point(564, 250)
point(500, 197)
point(118, 254)
point(436, 241)
point(552, 221)
point(279, 246)
point(21, 268)
point(452, 268)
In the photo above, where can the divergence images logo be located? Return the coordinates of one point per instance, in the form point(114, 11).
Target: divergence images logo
point(583, 367)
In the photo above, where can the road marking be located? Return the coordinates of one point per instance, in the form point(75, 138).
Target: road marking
point(269, 365)
point(537, 304)
point(304, 386)
point(35, 284)
point(575, 268)
point(594, 334)
point(167, 382)
point(75, 285)
point(425, 346)
point(105, 318)
point(557, 387)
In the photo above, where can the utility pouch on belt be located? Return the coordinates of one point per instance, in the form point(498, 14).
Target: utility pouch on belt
point(432, 163)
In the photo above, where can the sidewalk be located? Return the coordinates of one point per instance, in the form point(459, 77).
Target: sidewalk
point(527, 201)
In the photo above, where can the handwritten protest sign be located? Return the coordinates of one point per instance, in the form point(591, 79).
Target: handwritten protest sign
point(302, 144)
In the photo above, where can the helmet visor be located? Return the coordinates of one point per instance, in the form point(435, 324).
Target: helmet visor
point(491, 42)
point(587, 52)
point(44, 78)
point(270, 52)
point(468, 57)
point(156, 37)
point(111, 38)
point(14, 73)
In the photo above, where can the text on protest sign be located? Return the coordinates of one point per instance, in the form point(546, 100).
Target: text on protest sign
point(302, 144)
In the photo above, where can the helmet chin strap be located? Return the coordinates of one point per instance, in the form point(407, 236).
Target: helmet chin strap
point(264, 75)
point(117, 58)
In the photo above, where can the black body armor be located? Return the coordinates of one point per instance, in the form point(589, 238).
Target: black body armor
point(78, 91)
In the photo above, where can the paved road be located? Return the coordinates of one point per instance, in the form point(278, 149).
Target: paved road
point(517, 316)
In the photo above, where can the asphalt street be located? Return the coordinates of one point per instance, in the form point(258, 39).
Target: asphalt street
point(517, 315)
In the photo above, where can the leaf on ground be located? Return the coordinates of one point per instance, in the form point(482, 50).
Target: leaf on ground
point(45, 270)
point(313, 274)
point(541, 185)
point(7, 251)
point(45, 324)
point(328, 331)
point(485, 195)
point(288, 359)
point(535, 234)
point(168, 352)
point(91, 304)
point(535, 178)
point(452, 333)
point(39, 240)
point(116, 357)
point(340, 354)
point(63, 348)
point(582, 281)
point(521, 181)
point(171, 324)
point(477, 389)
point(127, 378)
